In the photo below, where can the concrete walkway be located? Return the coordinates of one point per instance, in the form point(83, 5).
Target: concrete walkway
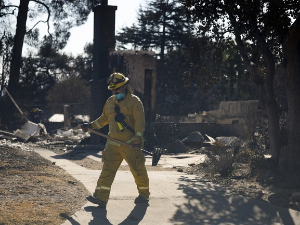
point(176, 198)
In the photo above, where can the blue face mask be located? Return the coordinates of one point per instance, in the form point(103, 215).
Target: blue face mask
point(120, 96)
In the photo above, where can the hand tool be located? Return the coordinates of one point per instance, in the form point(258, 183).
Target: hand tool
point(116, 140)
point(15, 103)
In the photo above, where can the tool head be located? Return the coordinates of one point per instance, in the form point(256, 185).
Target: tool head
point(156, 156)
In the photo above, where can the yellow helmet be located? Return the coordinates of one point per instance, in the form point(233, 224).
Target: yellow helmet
point(116, 80)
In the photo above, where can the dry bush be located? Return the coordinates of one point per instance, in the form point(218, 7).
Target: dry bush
point(226, 162)
point(222, 164)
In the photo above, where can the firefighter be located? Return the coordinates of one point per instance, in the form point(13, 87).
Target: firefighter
point(124, 114)
point(36, 115)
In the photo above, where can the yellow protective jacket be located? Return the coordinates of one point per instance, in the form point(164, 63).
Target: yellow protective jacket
point(131, 107)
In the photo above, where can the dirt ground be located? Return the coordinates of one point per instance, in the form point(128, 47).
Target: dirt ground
point(35, 191)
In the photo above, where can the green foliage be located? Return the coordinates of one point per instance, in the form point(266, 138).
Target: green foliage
point(40, 72)
point(29, 78)
point(193, 70)
point(48, 63)
point(216, 68)
point(199, 77)
point(263, 31)
point(34, 82)
point(170, 86)
point(72, 91)
point(162, 26)
point(62, 14)
point(83, 64)
point(205, 60)
point(261, 26)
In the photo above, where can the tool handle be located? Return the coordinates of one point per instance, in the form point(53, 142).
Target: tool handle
point(116, 140)
point(14, 101)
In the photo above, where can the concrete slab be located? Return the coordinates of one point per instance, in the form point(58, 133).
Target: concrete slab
point(176, 198)
point(180, 160)
point(166, 161)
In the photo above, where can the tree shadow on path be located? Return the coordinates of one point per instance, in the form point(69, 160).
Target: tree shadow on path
point(209, 204)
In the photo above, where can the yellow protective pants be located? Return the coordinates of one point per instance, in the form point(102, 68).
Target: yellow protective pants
point(112, 157)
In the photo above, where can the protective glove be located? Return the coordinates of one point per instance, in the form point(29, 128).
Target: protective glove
point(136, 142)
point(85, 127)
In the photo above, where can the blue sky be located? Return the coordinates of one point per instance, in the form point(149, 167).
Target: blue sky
point(125, 16)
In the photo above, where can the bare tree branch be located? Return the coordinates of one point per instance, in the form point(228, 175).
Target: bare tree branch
point(40, 21)
point(8, 6)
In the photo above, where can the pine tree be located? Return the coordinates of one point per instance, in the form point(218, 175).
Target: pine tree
point(162, 26)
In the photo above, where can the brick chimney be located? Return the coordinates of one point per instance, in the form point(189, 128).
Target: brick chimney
point(104, 42)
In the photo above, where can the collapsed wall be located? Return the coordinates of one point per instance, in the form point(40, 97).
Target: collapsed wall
point(230, 112)
point(232, 118)
point(140, 67)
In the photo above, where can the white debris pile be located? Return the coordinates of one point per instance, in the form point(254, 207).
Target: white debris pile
point(33, 129)
point(30, 129)
point(229, 141)
point(32, 135)
point(16, 145)
point(73, 134)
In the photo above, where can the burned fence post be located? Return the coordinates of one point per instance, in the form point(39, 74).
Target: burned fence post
point(67, 117)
